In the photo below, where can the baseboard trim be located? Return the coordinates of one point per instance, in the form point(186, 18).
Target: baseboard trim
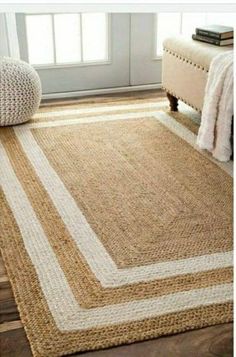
point(101, 91)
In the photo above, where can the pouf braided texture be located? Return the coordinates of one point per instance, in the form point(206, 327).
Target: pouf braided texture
point(20, 91)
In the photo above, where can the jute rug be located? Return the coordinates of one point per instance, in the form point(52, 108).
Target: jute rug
point(114, 227)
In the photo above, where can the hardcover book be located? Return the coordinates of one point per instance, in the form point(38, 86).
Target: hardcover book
point(216, 31)
point(213, 41)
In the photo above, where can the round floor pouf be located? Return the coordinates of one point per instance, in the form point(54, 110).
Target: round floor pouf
point(20, 91)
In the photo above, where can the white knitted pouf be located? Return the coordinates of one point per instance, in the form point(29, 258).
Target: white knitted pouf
point(20, 91)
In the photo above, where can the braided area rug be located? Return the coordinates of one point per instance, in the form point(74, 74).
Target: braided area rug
point(115, 228)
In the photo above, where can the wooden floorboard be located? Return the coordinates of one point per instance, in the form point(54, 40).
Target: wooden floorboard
point(214, 341)
point(102, 98)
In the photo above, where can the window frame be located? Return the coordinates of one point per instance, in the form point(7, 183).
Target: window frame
point(71, 64)
point(155, 57)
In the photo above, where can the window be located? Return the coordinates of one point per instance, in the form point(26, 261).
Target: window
point(40, 39)
point(63, 39)
point(168, 24)
point(67, 38)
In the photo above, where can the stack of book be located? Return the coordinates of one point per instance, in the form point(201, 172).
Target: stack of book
point(215, 34)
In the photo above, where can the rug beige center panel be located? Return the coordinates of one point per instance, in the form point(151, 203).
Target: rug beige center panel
point(115, 227)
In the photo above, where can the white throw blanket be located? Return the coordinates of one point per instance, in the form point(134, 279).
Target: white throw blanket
point(215, 130)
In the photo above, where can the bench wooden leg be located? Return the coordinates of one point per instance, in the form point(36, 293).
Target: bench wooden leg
point(173, 102)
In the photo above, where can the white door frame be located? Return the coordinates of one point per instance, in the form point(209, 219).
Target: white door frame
point(11, 35)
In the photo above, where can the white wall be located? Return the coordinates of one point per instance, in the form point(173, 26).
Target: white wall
point(4, 49)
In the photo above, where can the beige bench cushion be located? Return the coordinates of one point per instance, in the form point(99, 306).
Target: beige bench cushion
point(199, 53)
point(185, 67)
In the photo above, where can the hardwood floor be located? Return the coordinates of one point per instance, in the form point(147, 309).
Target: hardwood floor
point(215, 341)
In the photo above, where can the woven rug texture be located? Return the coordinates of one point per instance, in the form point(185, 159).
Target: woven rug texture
point(115, 227)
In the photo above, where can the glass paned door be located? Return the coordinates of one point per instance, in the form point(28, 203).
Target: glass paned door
point(82, 51)
point(76, 51)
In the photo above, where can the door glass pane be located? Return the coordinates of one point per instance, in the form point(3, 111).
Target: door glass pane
point(40, 39)
point(168, 24)
point(225, 19)
point(190, 21)
point(67, 38)
point(95, 36)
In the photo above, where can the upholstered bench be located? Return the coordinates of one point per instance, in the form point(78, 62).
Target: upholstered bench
point(185, 66)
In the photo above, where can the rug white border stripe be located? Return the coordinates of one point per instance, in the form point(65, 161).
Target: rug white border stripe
point(66, 312)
